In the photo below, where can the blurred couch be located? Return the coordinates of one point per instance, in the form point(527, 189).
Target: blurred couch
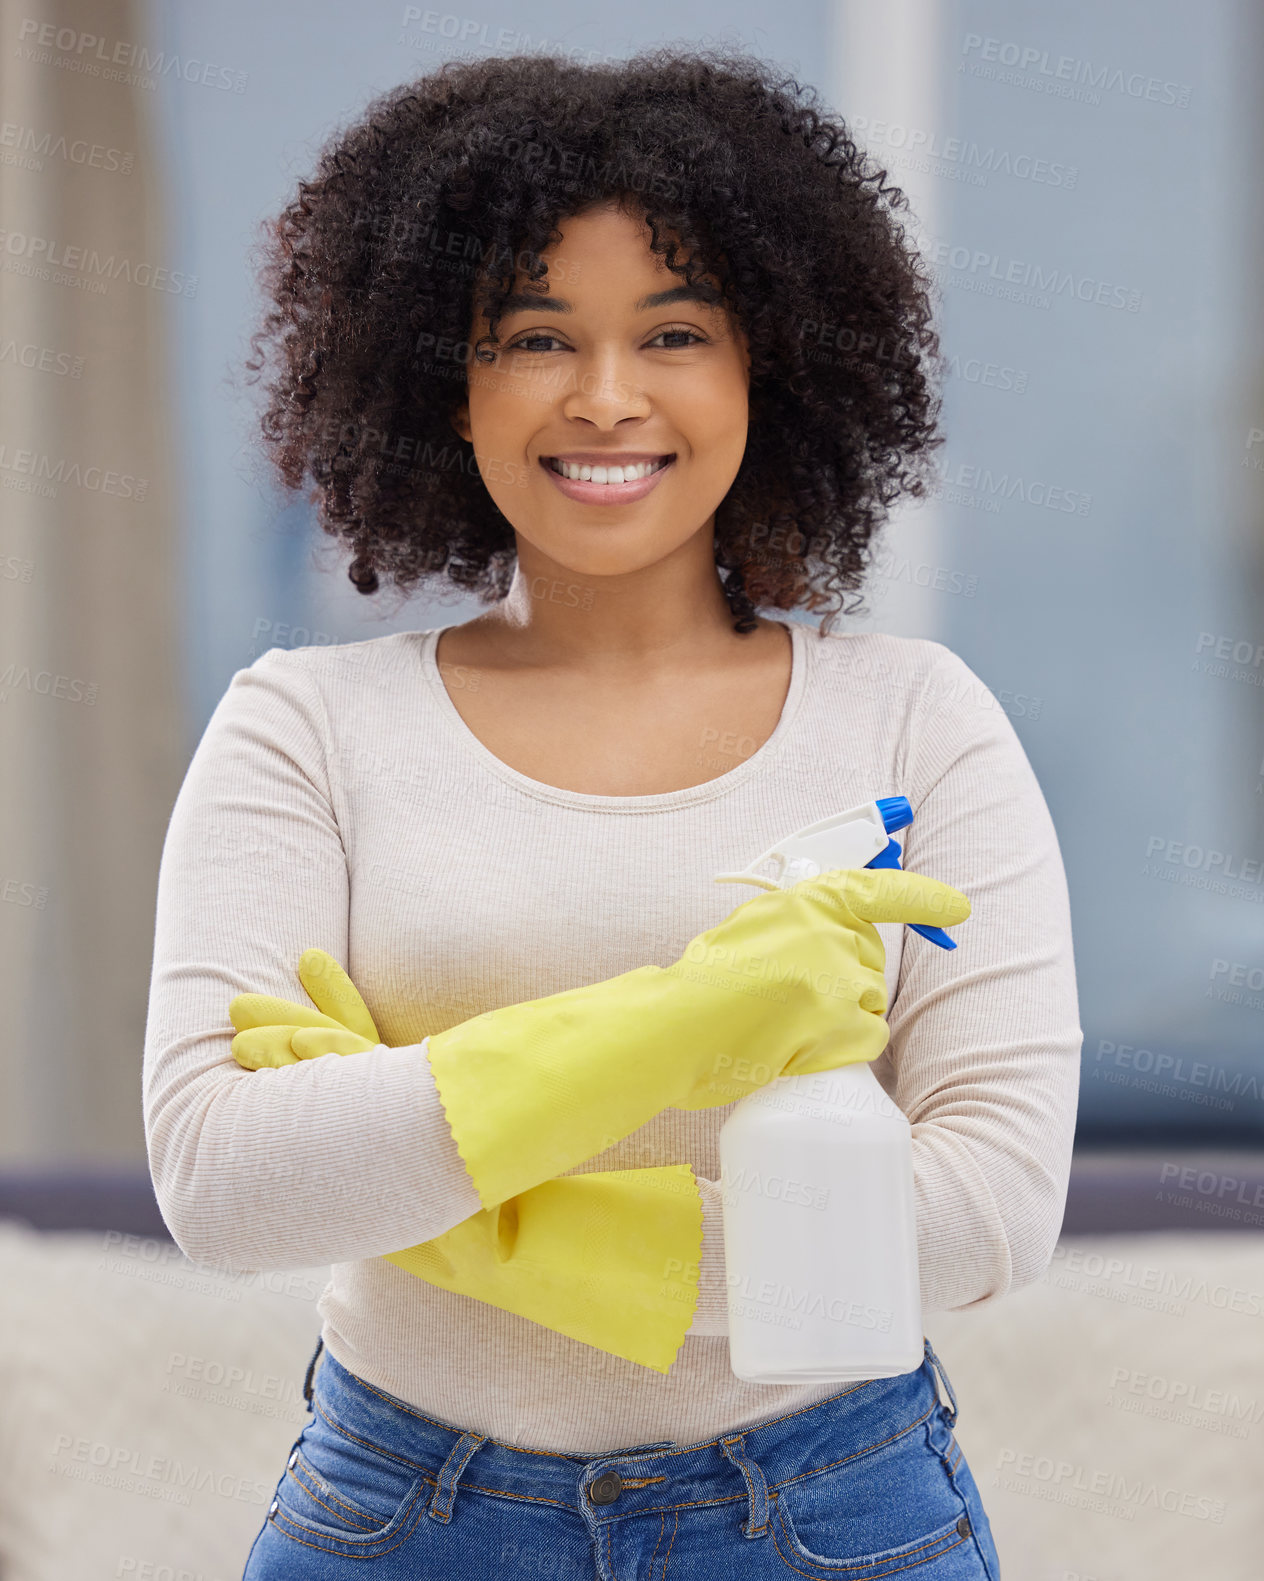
point(1109, 1412)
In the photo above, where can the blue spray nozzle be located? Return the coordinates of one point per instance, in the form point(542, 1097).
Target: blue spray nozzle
point(890, 857)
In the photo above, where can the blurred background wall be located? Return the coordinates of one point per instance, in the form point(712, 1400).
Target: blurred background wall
point(93, 710)
point(1083, 183)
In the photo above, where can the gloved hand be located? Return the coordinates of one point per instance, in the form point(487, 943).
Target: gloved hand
point(280, 1032)
point(603, 1258)
point(790, 982)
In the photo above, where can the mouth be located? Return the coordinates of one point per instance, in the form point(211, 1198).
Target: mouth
point(612, 473)
point(607, 483)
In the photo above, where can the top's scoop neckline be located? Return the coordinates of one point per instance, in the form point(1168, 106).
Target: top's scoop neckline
point(658, 801)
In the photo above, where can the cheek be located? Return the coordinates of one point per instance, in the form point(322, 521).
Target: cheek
point(499, 433)
point(490, 410)
point(721, 443)
point(727, 408)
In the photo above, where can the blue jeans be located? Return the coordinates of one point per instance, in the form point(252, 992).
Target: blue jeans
point(869, 1482)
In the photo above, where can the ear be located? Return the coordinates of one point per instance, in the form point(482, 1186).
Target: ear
point(459, 417)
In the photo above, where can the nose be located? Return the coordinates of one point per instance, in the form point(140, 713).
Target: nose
point(605, 390)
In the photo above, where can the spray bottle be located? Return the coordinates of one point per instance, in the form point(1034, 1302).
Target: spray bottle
point(816, 1177)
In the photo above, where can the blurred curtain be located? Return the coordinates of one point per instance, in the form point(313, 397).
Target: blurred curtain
point(91, 753)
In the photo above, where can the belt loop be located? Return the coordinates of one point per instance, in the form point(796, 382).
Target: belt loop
point(950, 1416)
point(311, 1371)
point(441, 1505)
point(734, 1447)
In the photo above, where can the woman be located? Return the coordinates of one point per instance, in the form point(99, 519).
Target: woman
point(679, 266)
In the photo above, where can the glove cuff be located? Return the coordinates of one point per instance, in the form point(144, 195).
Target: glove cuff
point(531, 1090)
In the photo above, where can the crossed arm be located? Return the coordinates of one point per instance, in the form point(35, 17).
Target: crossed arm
point(983, 1056)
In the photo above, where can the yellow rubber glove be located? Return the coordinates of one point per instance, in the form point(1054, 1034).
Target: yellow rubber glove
point(280, 1032)
point(790, 982)
point(603, 1258)
point(607, 1258)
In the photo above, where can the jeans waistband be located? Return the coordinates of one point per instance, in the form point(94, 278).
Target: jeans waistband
point(859, 1418)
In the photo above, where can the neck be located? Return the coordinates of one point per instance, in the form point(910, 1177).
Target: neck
point(658, 616)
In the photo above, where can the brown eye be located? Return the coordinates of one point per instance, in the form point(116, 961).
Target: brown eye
point(694, 337)
point(524, 343)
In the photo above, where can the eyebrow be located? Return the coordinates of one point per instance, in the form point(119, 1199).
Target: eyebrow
point(532, 301)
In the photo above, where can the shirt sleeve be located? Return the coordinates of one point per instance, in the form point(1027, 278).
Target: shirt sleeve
point(329, 1160)
point(985, 1039)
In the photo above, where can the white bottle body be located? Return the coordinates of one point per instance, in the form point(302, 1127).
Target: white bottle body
point(820, 1231)
point(820, 1224)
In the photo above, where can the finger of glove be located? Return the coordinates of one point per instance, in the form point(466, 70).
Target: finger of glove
point(256, 1047)
point(262, 1010)
point(861, 1044)
point(863, 1040)
point(315, 1042)
point(813, 903)
point(334, 992)
point(889, 894)
point(869, 989)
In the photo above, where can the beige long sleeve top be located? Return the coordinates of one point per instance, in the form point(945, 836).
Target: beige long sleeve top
point(337, 799)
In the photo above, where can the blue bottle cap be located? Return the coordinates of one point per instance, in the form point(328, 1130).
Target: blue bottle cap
point(896, 812)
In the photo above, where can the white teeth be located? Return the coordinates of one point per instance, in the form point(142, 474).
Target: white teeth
point(590, 474)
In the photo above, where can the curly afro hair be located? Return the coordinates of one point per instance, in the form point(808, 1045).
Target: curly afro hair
point(446, 193)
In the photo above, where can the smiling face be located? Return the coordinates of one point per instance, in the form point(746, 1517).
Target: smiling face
point(619, 365)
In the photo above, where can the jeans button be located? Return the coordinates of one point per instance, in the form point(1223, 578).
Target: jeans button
point(607, 1488)
point(273, 1507)
point(963, 1526)
point(292, 1459)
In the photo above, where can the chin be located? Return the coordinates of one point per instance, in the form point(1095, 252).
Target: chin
point(598, 564)
point(606, 549)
